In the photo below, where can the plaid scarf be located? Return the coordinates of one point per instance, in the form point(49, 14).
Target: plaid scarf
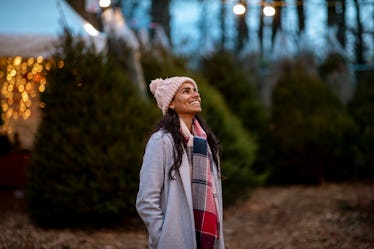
point(204, 197)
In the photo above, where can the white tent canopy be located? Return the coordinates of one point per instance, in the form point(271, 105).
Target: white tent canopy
point(29, 28)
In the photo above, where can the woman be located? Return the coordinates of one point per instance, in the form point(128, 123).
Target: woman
point(180, 196)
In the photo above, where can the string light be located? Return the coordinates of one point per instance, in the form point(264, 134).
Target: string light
point(104, 3)
point(21, 80)
point(268, 10)
point(238, 9)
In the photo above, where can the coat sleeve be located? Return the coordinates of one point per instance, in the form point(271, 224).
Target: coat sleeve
point(148, 203)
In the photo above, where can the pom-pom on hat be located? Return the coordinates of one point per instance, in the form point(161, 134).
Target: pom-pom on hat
point(164, 90)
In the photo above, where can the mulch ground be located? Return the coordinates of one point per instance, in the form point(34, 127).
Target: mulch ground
point(331, 216)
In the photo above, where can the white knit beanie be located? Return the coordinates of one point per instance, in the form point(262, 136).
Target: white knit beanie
point(164, 90)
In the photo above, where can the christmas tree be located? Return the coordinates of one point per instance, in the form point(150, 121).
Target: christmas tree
point(85, 163)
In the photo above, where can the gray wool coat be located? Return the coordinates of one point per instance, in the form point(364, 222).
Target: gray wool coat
point(165, 205)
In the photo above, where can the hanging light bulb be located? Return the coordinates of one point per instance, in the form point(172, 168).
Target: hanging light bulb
point(238, 9)
point(268, 10)
point(104, 3)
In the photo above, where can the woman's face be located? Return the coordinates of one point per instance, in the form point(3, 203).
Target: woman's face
point(187, 100)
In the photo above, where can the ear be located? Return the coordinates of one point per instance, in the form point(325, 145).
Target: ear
point(171, 106)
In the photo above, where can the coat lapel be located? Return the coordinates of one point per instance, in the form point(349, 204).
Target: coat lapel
point(185, 174)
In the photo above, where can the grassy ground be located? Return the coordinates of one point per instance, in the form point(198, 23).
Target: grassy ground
point(332, 216)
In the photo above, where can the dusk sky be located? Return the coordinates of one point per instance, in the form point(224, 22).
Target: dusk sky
point(186, 22)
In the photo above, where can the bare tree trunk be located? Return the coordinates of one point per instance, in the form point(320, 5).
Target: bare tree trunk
point(301, 15)
point(336, 17)
point(222, 18)
point(342, 23)
point(242, 37)
point(160, 14)
point(277, 19)
point(203, 24)
point(261, 29)
point(359, 44)
point(330, 13)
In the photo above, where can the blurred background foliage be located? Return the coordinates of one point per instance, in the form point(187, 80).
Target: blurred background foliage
point(85, 165)
point(361, 109)
point(310, 131)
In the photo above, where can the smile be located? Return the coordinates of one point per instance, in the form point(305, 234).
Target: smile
point(195, 102)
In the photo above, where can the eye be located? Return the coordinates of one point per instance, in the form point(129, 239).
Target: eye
point(185, 90)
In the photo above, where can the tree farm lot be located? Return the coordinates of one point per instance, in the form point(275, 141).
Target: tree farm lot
point(330, 216)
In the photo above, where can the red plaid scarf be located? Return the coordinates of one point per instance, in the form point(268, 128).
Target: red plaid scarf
point(203, 187)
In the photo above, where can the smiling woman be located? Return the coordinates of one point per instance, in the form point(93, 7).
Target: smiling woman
point(180, 195)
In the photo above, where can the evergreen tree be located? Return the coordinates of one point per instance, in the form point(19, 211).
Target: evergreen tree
point(312, 136)
point(237, 89)
point(362, 110)
point(86, 159)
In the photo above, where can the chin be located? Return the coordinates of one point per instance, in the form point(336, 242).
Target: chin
point(198, 111)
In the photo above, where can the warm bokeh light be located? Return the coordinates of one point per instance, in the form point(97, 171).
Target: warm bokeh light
point(104, 3)
point(21, 79)
point(269, 11)
point(238, 9)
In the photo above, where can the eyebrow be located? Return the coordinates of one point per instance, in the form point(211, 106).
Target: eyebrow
point(188, 88)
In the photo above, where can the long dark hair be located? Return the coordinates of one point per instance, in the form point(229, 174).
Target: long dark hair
point(170, 123)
